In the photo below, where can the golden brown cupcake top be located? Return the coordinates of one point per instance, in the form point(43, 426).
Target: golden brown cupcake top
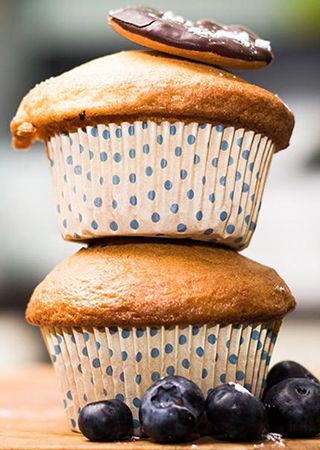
point(136, 282)
point(140, 85)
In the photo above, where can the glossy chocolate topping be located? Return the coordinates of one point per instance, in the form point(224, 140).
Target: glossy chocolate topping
point(231, 41)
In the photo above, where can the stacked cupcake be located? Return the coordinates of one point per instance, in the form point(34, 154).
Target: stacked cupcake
point(144, 145)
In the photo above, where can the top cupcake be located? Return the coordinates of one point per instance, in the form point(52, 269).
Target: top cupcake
point(145, 143)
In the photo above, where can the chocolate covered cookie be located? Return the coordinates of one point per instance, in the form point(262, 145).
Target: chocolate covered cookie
point(230, 46)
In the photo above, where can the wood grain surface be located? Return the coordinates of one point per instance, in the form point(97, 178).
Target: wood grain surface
point(32, 418)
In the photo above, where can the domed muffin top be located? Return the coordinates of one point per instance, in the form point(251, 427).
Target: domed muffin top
point(139, 85)
point(136, 282)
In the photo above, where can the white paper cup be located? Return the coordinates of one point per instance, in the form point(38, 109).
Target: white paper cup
point(176, 180)
point(95, 364)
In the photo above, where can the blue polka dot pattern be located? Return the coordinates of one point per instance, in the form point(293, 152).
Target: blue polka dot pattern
point(134, 224)
point(96, 363)
point(240, 375)
point(204, 373)
point(245, 154)
point(185, 363)
point(98, 202)
point(195, 330)
point(230, 229)
point(139, 332)
point(155, 217)
point(233, 359)
point(146, 149)
point(151, 195)
point(255, 335)
point(173, 130)
point(223, 378)
point(168, 185)
point(215, 162)
point(136, 402)
point(109, 371)
point(191, 139)
point(168, 348)
point(125, 333)
point(163, 163)
point(155, 376)
point(155, 352)
point(181, 228)
point(223, 216)
point(174, 208)
point(149, 171)
point(133, 200)
point(113, 226)
point(94, 132)
point(183, 174)
point(78, 170)
point(132, 177)
point(200, 351)
point(190, 194)
point(212, 339)
point(130, 160)
point(106, 134)
point(199, 215)
point(170, 351)
point(224, 145)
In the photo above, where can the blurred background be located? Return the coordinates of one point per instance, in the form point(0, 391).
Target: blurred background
point(39, 39)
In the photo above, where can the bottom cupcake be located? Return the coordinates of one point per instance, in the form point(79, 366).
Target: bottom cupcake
point(118, 316)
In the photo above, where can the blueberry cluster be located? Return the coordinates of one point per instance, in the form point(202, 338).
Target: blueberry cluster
point(174, 408)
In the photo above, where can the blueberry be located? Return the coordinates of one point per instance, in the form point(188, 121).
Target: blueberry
point(235, 414)
point(171, 409)
point(108, 420)
point(293, 407)
point(287, 369)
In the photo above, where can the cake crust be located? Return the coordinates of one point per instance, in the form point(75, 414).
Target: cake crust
point(140, 282)
point(139, 85)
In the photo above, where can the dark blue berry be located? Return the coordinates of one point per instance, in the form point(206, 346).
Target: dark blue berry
point(287, 369)
point(293, 407)
point(235, 414)
point(171, 409)
point(108, 420)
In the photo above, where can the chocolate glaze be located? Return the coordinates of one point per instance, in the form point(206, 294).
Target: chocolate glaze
point(231, 41)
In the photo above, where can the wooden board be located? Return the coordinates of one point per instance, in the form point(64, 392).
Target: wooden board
point(31, 418)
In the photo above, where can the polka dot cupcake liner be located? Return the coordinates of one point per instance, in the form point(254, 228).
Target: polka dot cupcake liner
point(94, 364)
point(174, 180)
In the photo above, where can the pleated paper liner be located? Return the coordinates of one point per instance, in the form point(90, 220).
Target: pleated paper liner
point(176, 180)
point(94, 364)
